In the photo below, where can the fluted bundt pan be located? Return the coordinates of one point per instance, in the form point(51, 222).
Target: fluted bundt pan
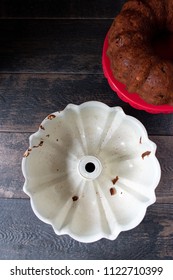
point(91, 171)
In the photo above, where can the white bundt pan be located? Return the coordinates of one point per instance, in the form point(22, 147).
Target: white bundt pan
point(91, 171)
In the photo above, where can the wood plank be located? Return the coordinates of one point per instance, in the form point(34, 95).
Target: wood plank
point(13, 146)
point(59, 9)
point(164, 155)
point(23, 236)
point(52, 45)
point(26, 99)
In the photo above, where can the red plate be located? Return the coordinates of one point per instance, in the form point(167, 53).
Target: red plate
point(132, 98)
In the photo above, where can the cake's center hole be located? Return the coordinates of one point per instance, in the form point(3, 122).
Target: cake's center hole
point(90, 167)
point(163, 45)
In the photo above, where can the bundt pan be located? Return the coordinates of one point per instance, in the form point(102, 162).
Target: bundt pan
point(91, 171)
point(132, 98)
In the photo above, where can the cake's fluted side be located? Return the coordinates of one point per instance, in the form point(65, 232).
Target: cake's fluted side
point(131, 53)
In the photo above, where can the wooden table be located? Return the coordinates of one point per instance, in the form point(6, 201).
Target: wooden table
point(50, 55)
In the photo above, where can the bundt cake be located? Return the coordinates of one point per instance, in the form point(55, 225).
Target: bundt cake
point(133, 58)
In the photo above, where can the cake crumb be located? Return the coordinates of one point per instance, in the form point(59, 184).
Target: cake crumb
point(75, 198)
point(39, 145)
point(147, 153)
point(115, 180)
point(27, 153)
point(51, 116)
point(42, 127)
point(112, 191)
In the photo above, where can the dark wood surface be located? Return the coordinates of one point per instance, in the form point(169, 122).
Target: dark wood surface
point(50, 56)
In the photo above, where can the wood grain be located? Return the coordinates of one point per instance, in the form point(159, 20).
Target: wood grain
point(26, 99)
point(52, 45)
point(13, 146)
point(50, 56)
point(59, 9)
point(23, 236)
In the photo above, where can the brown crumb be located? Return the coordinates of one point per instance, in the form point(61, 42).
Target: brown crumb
point(47, 135)
point(140, 140)
point(147, 153)
point(57, 140)
point(39, 145)
point(42, 127)
point(51, 116)
point(75, 198)
point(112, 191)
point(27, 153)
point(115, 180)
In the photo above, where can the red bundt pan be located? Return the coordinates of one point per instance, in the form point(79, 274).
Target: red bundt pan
point(132, 98)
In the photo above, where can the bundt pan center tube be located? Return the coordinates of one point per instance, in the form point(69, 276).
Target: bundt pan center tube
point(91, 171)
point(134, 58)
